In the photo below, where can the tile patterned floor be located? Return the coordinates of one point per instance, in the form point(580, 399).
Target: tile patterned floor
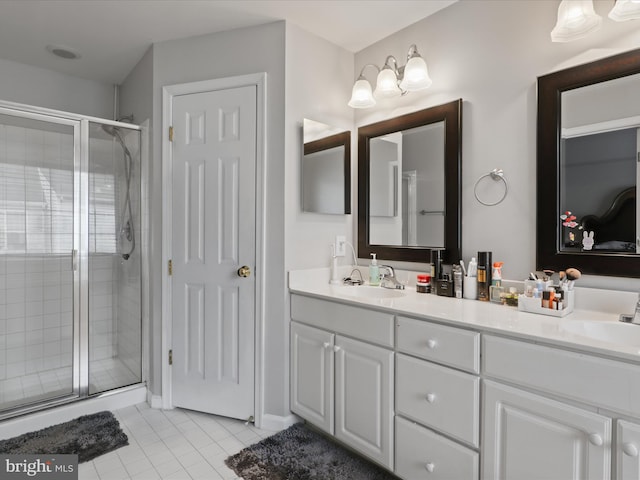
point(173, 445)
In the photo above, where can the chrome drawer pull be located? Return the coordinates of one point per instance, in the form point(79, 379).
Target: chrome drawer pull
point(630, 449)
point(431, 397)
point(431, 343)
point(326, 345)
point(430, 467)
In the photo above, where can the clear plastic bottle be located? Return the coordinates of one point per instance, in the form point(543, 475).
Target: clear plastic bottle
point(374, 271)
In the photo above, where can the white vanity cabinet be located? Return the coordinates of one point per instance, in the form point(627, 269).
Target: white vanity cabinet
point(436, 403)
point(342, 384)
point(628, 451)
point(556, 418)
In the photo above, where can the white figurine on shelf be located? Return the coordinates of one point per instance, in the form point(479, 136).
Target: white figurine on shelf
point(587, 240)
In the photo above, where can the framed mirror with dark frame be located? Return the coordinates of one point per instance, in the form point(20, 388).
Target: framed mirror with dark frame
point(412, 203)
point(325, 169)
point(587, 179)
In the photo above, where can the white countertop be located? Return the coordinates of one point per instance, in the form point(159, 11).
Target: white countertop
point(501, 319)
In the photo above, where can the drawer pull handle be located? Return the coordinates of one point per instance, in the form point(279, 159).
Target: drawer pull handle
point(326, 345)
point(630, 449)
point(431, 397)
point(595, 439)
point(336, 348)
point(431, 343)
point(430, 467)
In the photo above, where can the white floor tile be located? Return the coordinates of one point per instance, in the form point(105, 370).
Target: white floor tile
point(173, 445)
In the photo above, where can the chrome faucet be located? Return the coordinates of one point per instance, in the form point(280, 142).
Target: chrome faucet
point(634, 318)
point(389, 280)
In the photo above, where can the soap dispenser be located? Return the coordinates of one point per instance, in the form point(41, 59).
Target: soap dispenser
point(374, 271)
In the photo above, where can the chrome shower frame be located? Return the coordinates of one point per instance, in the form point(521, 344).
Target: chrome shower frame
point(80, 254)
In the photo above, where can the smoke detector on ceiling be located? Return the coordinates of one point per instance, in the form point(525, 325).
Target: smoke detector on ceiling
point(63, 52)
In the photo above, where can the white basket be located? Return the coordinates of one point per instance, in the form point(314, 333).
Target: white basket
point(534, 305)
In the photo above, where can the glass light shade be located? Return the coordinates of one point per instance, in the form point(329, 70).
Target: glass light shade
point(576, 19)
point(625, 10)
point(361, 95)
point(416, 75)
point(387, 84)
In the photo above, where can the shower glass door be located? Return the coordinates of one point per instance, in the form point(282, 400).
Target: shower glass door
point(39, 241)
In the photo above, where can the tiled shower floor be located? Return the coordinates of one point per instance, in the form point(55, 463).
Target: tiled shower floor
point(172, 444)
point(104, 375)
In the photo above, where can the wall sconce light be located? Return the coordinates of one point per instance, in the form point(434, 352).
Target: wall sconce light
point(577, 18)
point(392, 80)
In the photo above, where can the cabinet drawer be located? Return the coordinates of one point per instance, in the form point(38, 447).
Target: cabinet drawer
point(447, 345)
point(598, 381)
point(439, 397)
point(422, 454)
point(367, 325)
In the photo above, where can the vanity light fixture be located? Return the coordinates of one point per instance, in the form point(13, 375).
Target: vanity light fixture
point(392, 80)
point(577, 18)
point(625, 10)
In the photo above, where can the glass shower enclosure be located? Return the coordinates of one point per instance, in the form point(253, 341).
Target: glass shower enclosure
point(70, 257)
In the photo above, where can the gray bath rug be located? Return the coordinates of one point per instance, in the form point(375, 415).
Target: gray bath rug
point(89, 437)
point(299, 453)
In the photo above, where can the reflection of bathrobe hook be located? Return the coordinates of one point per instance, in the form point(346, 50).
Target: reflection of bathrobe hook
point(495, 174)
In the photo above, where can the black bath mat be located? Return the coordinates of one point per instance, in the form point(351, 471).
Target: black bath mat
point(299, 453)
point(89, 437)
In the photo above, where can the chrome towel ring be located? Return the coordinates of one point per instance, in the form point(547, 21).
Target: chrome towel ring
point(496, 174)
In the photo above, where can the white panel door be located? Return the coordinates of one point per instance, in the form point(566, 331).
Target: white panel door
point(628, 451)
point(364, 398)
point(528, 437)
point(312, 375)
point(213, 211)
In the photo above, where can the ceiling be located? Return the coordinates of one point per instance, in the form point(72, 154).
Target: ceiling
point(112, 35)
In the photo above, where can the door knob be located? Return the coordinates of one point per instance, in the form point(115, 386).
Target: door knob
point(595, 439)
point(244, 271)
point(630, 449)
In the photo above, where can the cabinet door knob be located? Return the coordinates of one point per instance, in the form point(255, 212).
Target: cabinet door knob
point(326, 345)
point(595, 439)
point(431, 343)
point(630, 449)
point(336, 348)
point(431, 397)
point(430, 467)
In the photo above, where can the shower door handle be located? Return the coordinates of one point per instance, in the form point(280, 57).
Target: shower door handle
point(74, 260)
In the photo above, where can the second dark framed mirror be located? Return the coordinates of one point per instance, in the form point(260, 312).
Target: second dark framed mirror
point(409, 185)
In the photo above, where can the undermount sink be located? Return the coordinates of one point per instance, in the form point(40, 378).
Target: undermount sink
point(368, 291)
point(604, 331)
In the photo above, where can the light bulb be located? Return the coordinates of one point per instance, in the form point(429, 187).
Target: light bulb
point(576, 19)
point(416, 75)
point(387, 84)
point(361, 95)
point(625, 10)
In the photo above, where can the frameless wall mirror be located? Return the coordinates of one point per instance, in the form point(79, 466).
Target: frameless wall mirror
point(588, 174)
point(409, 171)
point(326, 169)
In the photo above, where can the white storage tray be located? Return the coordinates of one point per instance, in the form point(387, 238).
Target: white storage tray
point(533, 305)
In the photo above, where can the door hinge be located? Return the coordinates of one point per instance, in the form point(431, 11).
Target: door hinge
point(171, 134)
point(170, 357)
point(170, 267)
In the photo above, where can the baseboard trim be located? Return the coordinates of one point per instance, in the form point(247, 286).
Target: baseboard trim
point(278, 422)
point(154, 401)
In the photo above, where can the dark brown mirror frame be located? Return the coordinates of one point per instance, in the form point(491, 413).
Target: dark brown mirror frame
point(550, 88)
point(342, 139)
point(449, 113)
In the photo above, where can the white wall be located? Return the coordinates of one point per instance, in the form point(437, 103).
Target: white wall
point(227, 54)
point(45, 88)
point(489, 53)
point(319, 76)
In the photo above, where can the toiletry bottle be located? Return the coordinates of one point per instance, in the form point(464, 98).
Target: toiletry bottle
point(484, 275)
point(496, 274)
point(457, 281)
point(374, 271)
point(437, 258)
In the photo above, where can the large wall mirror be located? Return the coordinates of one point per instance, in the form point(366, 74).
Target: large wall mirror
point(588, 151)
point(409, 174)
point(326, 169)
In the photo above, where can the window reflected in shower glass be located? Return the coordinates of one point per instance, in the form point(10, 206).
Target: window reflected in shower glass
point(36, 240)
point(114, 258)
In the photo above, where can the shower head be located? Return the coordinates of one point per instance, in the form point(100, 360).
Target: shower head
point(109, 129)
